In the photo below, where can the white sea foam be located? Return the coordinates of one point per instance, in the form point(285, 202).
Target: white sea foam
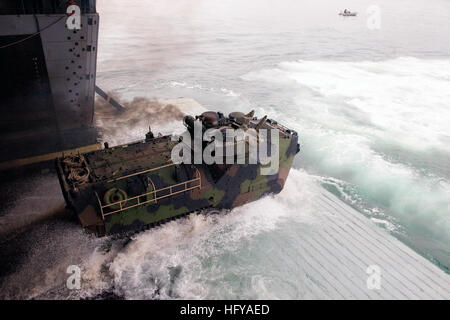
point(347, 131)
point(403, 101)
point(379, 126)
point(209, 256)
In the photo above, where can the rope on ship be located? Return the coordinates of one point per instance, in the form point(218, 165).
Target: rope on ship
point(32, 35)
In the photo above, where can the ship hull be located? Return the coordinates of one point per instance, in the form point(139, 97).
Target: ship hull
point(49, 72)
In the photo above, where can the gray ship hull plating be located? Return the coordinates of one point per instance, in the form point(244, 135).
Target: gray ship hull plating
point(48, 87)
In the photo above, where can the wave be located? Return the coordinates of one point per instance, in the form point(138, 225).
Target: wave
point(201, 256)
point(208, 256)
point(381, 129)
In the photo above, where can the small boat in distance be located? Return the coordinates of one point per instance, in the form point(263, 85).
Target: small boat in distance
point(348, 13)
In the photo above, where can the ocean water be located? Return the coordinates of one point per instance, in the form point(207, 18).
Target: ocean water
point(371, 107)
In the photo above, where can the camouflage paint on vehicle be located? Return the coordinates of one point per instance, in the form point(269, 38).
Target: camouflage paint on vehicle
point(135, 186)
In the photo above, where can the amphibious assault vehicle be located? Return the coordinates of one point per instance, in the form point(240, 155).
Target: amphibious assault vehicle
point(128, 188)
